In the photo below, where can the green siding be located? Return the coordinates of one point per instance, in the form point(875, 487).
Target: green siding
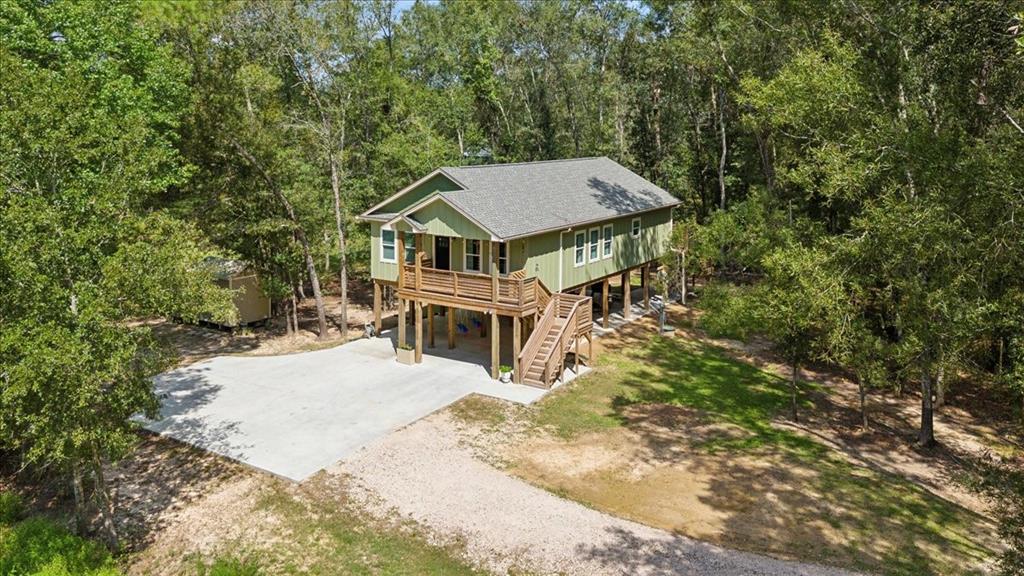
point(440, 219)
point(388, 270)
point(436, 183)
point(539, 255)
point(627, 252)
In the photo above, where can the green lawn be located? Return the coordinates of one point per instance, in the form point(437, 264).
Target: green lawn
point(861, 518)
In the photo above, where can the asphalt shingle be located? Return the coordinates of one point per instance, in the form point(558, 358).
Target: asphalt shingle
point(513, 200)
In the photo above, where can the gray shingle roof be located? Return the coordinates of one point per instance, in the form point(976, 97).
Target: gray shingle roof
point(514, 200)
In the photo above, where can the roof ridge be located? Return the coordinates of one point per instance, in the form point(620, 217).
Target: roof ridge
point(556, 160)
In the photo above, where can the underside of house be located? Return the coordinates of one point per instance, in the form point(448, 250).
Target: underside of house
point(471, 246)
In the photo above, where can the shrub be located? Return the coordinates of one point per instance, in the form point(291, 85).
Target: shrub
point(11, 508)
point(729, 311)
point(41, 546)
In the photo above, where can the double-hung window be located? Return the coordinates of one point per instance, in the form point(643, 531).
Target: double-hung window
point(634, 228)
point(606, 241)
point(472, 255)
point(595, 241)
point(581, 249)
point(387, 245)
point(388, 248)
point(502, 258)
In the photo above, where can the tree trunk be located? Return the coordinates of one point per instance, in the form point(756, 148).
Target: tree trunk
point(342, 259)
point(682, 277)
point(105, 504)
point(300, 234)
point(719, 102)
point(940, 387)
point(926, 437)
point(81, 523)
point(794, 389)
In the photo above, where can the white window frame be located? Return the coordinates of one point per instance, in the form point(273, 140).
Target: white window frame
point(502, 260)
point(607, 239)
point(394, 246)
point(466, 243)
point(635, 227)
point(593, 248)
point(579, 251)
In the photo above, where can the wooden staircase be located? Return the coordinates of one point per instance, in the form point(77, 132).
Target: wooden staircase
point(566, 318)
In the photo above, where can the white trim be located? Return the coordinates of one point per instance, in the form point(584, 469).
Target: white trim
point(592, 247)
point(394, 246)
point(607, 242)
point(479, 255)
point(575, 262)
point(436, 196)
point(639, 227)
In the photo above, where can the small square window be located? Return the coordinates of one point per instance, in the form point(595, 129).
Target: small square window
point(634, 228)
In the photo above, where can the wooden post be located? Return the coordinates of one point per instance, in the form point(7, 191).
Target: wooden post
point(430, 325)
point(494, 273)
point(401, 323)
point(376, 307)
point(418, 324)
point(451, 327)
point(627, 294)
point(576, 355)
point(400, 258)
point(583, 290)
point(604, 303)
point(517, 343)
point(418, 259)
point(645, 273)
point(495, 337)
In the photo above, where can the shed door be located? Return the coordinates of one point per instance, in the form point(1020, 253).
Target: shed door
point(442, 253)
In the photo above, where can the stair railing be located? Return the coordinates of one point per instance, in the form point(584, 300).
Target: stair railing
point(529, 352)
point(554, 361)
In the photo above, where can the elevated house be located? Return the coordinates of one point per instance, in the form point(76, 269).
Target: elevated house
point(523, 241)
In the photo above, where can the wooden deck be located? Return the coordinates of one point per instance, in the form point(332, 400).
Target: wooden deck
point(511, 295)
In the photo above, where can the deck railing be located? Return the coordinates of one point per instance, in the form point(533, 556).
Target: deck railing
point(512, 291)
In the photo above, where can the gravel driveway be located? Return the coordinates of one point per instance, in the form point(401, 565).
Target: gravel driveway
point(422, 473)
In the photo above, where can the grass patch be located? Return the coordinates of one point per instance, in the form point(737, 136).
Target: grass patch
point(327, 537)
point(230, 566)
point(480, 410)
point(768, 489)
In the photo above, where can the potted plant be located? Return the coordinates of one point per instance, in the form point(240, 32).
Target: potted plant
point(506, 373)
point(406, 355)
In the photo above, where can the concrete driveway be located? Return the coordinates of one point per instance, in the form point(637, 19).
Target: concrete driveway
point(293, 415)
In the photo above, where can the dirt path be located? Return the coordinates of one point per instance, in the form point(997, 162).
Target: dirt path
point(425, 474)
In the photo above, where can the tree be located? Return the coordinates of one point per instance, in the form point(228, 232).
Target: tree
point(91, 103)
point(793, 304)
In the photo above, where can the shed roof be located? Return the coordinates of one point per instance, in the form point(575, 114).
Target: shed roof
point(522, 199)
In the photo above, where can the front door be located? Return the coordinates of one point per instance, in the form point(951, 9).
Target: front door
point(442, 253)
